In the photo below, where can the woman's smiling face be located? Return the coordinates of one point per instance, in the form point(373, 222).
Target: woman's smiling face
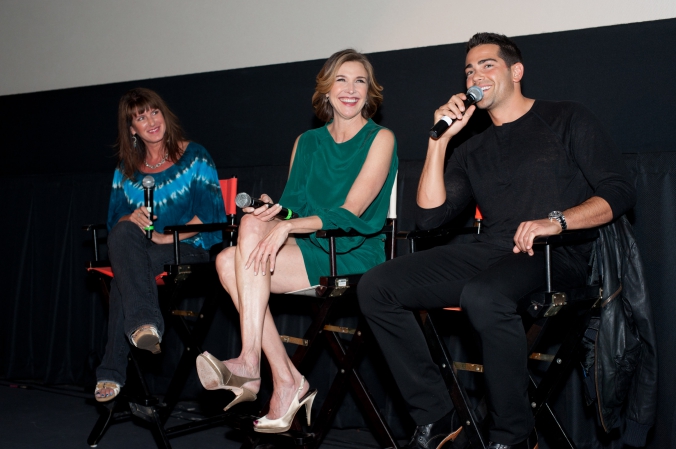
point(349, 91)
point(149, 125)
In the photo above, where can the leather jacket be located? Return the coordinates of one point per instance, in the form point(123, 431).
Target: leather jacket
point(623, 355)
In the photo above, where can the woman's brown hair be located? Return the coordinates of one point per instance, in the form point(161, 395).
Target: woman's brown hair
point(132, 104)
point(326, 78)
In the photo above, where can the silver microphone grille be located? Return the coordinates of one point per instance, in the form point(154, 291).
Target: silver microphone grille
point(475, 93)
point(243, 200)
point(148, 182)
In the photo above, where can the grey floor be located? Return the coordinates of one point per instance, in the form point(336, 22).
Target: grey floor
point(61, 418)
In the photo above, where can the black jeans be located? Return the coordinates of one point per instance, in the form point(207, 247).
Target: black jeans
point(135, 261)
point(486, 281)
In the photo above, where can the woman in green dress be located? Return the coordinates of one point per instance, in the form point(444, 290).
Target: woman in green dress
point(341, 178)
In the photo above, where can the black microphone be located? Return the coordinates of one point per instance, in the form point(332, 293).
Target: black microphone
point(474, 95)
point(244, 200)
point(149, 203)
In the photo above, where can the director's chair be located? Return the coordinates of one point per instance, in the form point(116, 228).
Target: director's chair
point(135, 399)
point(325, 297)
point(577, 306)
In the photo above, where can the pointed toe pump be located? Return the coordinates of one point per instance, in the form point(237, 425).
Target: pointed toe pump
point(214, 375)
point(283, 423)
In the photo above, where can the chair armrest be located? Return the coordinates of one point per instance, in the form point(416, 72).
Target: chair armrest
point(91, 227)
point(568, 237)
point(95, 238)
point(437, 232)
point(340, 233)
point(203, 227)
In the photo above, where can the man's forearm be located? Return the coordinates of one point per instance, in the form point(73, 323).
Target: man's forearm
point(594, 212)
point(431, 188)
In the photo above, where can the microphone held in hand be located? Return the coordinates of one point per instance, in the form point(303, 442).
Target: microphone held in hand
point(148, 189)
point(244, 200)
point(474, 95)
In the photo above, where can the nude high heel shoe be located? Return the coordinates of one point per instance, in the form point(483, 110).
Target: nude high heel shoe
point(282, 424)
point(214, 375)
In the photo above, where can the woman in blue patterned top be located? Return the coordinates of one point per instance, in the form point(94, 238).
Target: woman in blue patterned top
point(151, 142)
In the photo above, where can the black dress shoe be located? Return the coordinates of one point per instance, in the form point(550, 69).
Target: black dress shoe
point(529, 443)
point(435, 435)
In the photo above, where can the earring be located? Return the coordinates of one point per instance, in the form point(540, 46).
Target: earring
point(326, 98)
point(133, 138)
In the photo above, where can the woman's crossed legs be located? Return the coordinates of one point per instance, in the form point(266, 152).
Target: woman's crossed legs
point(250, 293)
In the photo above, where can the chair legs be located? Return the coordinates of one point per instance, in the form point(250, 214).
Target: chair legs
point(346, 358)
point(440, 354)
point(135, 398)
point(348, 377)
point(540, 392)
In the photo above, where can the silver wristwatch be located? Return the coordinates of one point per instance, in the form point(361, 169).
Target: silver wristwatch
point(558, 216)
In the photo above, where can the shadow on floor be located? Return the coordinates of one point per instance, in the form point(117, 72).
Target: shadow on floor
point(61, 418)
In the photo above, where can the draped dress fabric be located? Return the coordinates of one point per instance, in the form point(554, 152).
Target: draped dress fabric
point(322, 174)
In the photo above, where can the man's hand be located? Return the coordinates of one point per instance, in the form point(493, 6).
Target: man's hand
point(455, 110)
point(528, 230)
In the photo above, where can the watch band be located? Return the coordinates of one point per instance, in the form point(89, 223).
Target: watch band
point(558, 216)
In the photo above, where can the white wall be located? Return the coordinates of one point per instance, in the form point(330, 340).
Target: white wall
point(54, 44)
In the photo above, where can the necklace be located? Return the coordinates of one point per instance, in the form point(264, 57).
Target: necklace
point(164, 159)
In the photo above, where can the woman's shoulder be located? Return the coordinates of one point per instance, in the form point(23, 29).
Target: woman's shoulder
point(193, 150)
point(195, 153)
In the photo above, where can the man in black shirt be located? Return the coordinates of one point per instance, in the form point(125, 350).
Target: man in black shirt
point(542, 167)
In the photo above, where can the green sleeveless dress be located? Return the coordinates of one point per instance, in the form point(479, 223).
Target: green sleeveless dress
point(322, 174)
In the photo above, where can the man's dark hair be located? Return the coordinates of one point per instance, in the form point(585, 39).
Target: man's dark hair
point(509, 52)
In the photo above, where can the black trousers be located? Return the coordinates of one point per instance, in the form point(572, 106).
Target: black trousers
point(486, 281)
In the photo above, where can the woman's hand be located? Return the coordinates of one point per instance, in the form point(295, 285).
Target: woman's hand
point(140, 218)
point(162, 239)
point(267, 249)
point(264, 213)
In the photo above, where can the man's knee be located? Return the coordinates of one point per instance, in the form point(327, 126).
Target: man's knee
point(372, 290)
point(485, 306)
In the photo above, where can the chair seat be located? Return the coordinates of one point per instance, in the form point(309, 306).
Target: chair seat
point(108, 271)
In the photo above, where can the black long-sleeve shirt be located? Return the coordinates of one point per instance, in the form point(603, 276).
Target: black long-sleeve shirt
point(554, 157)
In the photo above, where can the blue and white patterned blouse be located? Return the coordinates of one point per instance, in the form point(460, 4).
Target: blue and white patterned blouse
point(188, 188)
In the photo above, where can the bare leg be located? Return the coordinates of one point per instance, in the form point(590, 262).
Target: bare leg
point(250, 294)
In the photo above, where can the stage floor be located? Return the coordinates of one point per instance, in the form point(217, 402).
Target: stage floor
point(61, 418)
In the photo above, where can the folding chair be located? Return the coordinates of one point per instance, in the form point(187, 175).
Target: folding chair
point(135, 398)
point(331, 290)
point(537, 310)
